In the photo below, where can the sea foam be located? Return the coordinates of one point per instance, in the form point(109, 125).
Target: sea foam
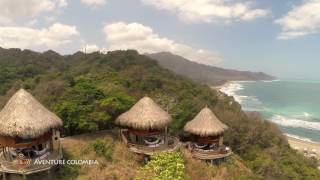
point(300, 138)
point(231, 89)
point(252, 102)
point(296, 123)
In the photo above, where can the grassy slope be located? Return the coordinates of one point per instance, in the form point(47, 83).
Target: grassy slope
point(125, 164)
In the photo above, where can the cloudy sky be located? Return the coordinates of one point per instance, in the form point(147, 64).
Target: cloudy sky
point(275, 36)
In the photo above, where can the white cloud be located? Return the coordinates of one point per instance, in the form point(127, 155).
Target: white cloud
point(301, 20)
point(94, 3)
point(25, 37)
point(210, 10)
point(124, 36)
point(62, 3)
point(11, 10)
point(32, 22)
point(89, 48)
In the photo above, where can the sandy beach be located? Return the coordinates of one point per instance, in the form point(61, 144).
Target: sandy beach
point(306, 147)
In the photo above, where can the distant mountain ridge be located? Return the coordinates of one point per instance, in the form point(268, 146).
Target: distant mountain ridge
point(207, 74)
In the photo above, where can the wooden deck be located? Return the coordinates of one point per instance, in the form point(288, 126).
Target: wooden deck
point(13, 168)
point(210, 154)
point(172, 145)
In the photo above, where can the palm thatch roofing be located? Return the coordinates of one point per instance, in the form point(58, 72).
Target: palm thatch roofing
point(145, 115)
point(205, 124)
point(24, 117)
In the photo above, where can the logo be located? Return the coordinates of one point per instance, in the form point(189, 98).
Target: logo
point(22, 161)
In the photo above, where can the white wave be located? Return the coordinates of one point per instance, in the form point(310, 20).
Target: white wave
point(296, 123)
point(276, 80)
point(300, 138)
point(256, 108)
point(307, 115)
point(231, 89)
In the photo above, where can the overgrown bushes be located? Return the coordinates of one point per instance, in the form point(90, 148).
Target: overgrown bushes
point(102, 148)
point(163, 166)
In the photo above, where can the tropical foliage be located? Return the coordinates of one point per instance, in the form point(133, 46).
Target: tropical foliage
point(163, 166)
point(102, 148)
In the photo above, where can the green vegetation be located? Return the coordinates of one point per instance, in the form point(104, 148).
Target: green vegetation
point(163, 166)
point(102, 148)
point(123, 165)
point(88, 91)
point(232, 169)
point(67, 171)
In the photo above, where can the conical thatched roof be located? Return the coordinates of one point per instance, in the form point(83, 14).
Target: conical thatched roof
point(205, 124)
point(145, 115)
point(24, 117)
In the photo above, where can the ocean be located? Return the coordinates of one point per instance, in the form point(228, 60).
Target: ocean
point(293, 105)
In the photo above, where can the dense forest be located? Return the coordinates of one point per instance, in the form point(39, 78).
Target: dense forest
point(88, 91)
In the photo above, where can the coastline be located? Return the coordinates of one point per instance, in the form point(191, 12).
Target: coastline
point(309, 149)
point(218, 87)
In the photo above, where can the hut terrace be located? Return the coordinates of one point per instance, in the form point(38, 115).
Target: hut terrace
point(207, 137)
point(28, 132)
point(145, 128)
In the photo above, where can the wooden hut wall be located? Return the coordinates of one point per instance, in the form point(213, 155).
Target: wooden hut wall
point(16, 143)
point(209, 139)
point(145, 132)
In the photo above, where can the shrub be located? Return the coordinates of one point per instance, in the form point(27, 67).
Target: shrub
point(163, 166)
point(102, 148)
point(67, 171)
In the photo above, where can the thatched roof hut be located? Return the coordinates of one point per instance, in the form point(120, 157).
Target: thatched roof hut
point(24, 117)
point(145, 115)
point(205, 124)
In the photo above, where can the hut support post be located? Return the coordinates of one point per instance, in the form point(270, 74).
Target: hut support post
point(165, 135)
point(49, 174)
point(221, 141)
point(4, 153)
point(9, 154)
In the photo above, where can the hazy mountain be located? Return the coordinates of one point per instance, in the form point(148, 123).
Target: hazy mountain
point(204, 73)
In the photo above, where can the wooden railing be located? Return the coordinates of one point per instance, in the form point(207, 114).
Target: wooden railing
point(30, 166)
point(172, 144)
point(218, 153)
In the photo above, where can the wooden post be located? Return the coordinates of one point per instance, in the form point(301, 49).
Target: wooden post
point(49, 174)
point(55, 140)
point(9, 154)
point(165, 135)
point(221, 141)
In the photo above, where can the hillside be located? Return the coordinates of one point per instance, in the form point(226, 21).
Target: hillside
point(208, 74)
point(123, 164)
point(88, 91)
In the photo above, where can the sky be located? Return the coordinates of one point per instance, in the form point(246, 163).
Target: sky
point(279, 37)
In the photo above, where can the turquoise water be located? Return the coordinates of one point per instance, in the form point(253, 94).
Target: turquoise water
point(293, 105)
